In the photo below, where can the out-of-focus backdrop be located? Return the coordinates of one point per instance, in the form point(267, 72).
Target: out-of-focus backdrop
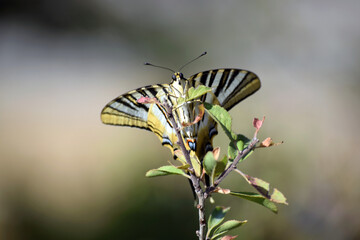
point(65, 175)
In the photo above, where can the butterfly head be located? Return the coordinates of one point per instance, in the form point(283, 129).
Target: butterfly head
point(179, 83)
point(178, 76)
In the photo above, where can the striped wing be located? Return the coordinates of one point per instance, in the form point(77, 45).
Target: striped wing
point(126, 111)
point(230, 86)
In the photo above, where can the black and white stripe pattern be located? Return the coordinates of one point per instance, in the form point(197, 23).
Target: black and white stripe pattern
point(230, 86)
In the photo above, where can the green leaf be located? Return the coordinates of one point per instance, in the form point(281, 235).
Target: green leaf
point(180, 156)
point(260, 185)
point(195, 163)
point(222, 117)
point(216, 217)
point(278, 197)
point(227, 226)
point(240, 145)
point(194, 93)
point(247, 155)
point(233, 152)
point(180, 101)
point(242, 138)
point(220, 166)
point(214, 167)
point(165, 170)
point(257, 198)
point(210, 163)
point(264, 189)
point(233, 149)
point(155, 173)
point(183, 167)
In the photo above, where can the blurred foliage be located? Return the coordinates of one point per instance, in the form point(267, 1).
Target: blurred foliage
point(54, 15)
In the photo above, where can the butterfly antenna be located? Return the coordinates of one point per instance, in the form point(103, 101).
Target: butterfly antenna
point(204, 53)
point(149, 64)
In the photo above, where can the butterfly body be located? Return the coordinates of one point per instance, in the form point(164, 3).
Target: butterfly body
point(230, 86)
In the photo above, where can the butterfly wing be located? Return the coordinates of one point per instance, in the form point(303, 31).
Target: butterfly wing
point(230, 86)
point(126, 111)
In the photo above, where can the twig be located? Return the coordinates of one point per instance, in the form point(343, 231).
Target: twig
point(194, 179)
point(233, 165)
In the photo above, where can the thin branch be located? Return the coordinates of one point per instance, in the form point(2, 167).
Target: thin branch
point(233, 165)
point(194, 179)
point(241, 155)
point(202, 221)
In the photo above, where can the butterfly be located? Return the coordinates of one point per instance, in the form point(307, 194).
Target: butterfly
point(229, 87)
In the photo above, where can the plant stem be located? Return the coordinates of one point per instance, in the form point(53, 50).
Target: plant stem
point(202, 220)
point(194, 179)
point(233, 165)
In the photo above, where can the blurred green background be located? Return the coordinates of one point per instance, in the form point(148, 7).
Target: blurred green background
point(65, 175)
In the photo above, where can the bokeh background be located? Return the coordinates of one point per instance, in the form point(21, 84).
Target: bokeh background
point(65, 175)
